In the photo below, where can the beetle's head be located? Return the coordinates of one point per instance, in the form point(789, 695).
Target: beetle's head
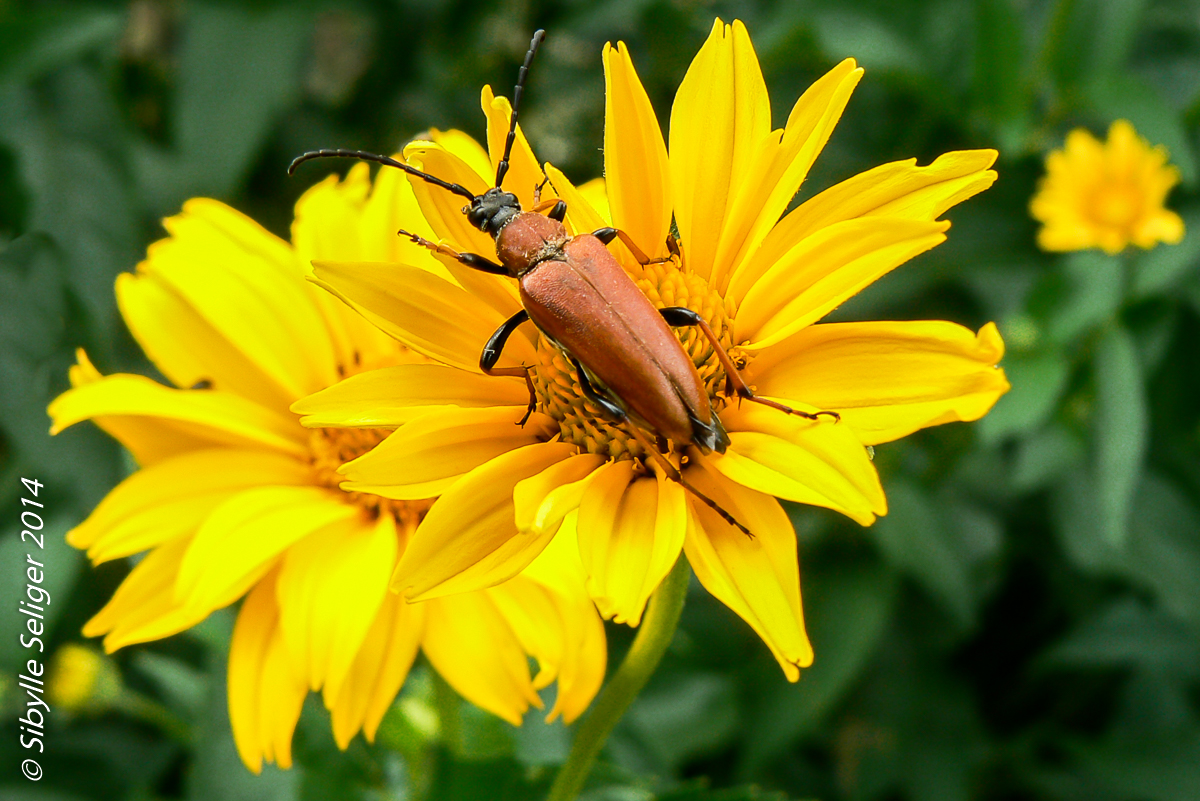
point(492, 210)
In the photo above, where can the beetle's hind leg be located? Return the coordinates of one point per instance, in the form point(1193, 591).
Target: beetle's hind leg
point(607, 235)
point(491, 355)
point(677, 316)
point(609, 409)
point(618, 415)
point(676, 475)
point(472, 260)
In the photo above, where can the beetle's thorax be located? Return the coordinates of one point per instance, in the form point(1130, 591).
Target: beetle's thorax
point(528, 240)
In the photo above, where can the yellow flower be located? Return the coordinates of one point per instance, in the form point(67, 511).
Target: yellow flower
point(760, 282)
point(81, 679)
point(1106, 195)
point(234, 496)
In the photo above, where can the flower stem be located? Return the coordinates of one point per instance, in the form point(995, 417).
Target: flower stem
point(653, 637)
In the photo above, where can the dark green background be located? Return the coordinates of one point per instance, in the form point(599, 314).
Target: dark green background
point(1024, 624)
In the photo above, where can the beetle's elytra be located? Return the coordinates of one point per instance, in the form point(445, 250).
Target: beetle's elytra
point(572, 288)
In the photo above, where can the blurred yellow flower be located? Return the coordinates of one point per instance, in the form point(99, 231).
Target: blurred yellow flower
point(234, 497)
point(81, 679)
point(759, 281)
point(1106, 195)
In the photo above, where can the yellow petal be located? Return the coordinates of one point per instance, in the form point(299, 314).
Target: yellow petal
point(781, 163)
point(899, 189)
point(886, 379)
point(542, 501)
point(464, 146)
point(172, 497)
point(441, 208)
point(414, 306)
point(241, 539)
point(533, 616)
point(258, 304)
point(355, 221)
point(143, 608)
point(265, 696)
point(825, 269)
point(329, 590)
point(154, 421)
point(630, 531)
point(473, 647)
point(186, 348)
point(595, 193)
point(379, 669)
point(720, 116)
point(392, 396)
point(426, 457)
point(523, 171)
point(757, 577)
point(469, 539)
point(635, 156)
point(818, 462)
point(585, 655)
point(582, 215)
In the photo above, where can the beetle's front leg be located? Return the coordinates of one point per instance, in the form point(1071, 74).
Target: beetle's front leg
point(558, 209)
point(607, 235)
point(472, 260)
point(491, 355)
point(678, 316)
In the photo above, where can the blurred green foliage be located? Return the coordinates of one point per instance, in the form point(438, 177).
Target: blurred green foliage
point(1024, 624)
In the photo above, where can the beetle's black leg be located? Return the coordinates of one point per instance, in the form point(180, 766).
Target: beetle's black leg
point(677, 316)
point(472, 260)
point(611, 410)
point(491, 355)
point(607, 235)
point(558, 209)
point(673, 473)
point(537, 191)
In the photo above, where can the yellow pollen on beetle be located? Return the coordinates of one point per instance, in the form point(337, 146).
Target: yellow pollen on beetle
point(581, 421)
point(330, 448)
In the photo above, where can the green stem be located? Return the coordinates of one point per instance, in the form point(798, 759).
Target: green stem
point(651, 642)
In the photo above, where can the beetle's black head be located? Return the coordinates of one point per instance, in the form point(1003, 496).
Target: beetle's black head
point(492, 210)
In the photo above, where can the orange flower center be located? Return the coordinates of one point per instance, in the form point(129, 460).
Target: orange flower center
point(1116, 206)
point(581, 421)
point(330, 448)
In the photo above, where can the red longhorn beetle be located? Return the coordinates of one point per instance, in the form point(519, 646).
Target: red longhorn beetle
point(626, 358)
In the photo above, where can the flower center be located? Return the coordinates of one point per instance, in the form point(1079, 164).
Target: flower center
point(1115, 206)
point(580, 421)
point(330, 448)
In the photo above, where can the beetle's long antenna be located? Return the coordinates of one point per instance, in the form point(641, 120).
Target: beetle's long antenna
point(502, 167)
point(457, 189)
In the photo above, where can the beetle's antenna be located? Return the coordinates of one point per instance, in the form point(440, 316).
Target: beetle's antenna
point(457, 189)
point(502, 167)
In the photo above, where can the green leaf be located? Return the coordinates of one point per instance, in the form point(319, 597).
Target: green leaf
point(1088, 39)
point(1165, 267)
point(1038, 381)
point(1044, 456)
point(1127, 97)
point(1162, 768)
point(1120, 429)
point(847, 608)
point(37, 40)
point(1094, 284)
point(684, 716)
point(60, 567)
point(1129, 634)
point(217, 773)
point(915, 537)
point(225, 102)
point(1000, 86)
